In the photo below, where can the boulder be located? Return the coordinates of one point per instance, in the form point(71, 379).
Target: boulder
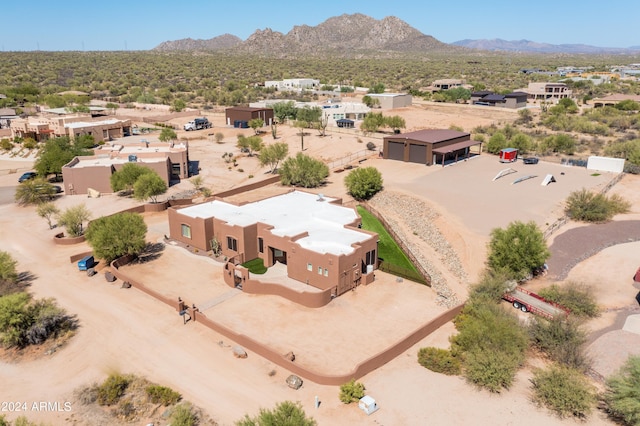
point(109, 277)
point(294, 382)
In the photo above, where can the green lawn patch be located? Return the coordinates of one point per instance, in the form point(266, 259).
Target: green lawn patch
point(255, 266)
point(388, 250)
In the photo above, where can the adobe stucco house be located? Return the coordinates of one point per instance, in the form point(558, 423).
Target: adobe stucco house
point(430, 146)
point(43, 128)
point(170, 161)
point(314, 236)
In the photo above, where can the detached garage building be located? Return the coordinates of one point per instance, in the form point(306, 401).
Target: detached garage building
point(240, 116)
point(433, 146)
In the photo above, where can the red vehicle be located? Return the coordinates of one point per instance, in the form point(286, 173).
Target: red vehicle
point(528, 301)
point(636, 277)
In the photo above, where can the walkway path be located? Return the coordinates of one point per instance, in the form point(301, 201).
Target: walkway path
point(578, 244)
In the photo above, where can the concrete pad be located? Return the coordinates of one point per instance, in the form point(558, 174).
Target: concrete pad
point(632, 324)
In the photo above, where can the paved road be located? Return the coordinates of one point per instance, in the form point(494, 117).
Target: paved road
point(575, 245)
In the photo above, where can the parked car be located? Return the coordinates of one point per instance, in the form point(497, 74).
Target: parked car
point(27, 176)
point(530, 160)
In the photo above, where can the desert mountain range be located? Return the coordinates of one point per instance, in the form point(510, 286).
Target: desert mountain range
point(358, 34)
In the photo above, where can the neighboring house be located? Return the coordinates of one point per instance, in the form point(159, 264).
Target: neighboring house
point(511, 100)
point(314, 236)
point(614, 100)
point(240, 116)
point(547, 91)
point(293, 84)
point(43, 128)
point(447, 83)
point(94, 111)
point(431, 146)
point(6, 115)
point(333, 111)
point(170, 161)
point(392, 100)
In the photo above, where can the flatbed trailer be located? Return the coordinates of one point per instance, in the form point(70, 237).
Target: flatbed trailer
point(528, 301)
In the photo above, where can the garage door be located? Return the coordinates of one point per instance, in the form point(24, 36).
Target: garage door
point(418, 153)
point(395, 151)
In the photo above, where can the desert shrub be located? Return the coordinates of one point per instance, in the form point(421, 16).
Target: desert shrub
point(517, 250)
point(4, 421)
point(576, 297)
point(87, 395)
point(491, 344)
point(25, 322)
point(162, 395)
point(584, 205)
point(563, 390)
point(126, 409)
point(363, 183)
point(490, 370)
point(622, 394)
point(303, 171)
point(562, 340)
point(183, 415)
point(6, 145)
point(497, 142)
point(112, 389)
point(439, 361)
point(491, 287)
point(351, 391)
point(286, 413)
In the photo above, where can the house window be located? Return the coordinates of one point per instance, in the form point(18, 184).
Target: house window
point(232, 244)
point(186, 231)
point(326, 272)
point(319, 270)
point(370, 257)
point(309, 267)
point(260, 245)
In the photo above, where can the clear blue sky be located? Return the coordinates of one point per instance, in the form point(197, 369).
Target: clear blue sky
point(143, 24)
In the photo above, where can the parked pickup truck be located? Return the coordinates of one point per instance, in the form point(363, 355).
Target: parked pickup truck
point(528, 301)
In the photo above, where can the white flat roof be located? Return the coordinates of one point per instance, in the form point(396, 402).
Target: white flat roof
point(104, 162)
point(91, 123)
point(292, 214)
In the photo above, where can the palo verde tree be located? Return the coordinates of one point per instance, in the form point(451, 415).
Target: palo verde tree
point(126, 177)
point(56, 153)
point(303, 171)
point(286, 413)
point(372, 122)
point(256, 124)
point(518, 250)
point(167, 134)
point(117, 235)
point(621, 396)
point(34, 191)
point(8, 268)
point(272, 155)
point(251, 144)
point(363, 183)
point(149, 186)
point(284, 110)
point(48, 211)
point(73, 219)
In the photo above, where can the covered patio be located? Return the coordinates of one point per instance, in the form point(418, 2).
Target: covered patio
point(451, 154)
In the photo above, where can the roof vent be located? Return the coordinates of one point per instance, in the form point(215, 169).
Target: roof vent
point(320, 197)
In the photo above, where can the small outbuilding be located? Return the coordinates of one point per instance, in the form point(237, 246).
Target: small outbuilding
point(346, 123)
point(429, 146)
point(240, 116)
point(368, 405)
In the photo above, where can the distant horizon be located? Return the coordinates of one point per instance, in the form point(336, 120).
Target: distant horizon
point(130, 26)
